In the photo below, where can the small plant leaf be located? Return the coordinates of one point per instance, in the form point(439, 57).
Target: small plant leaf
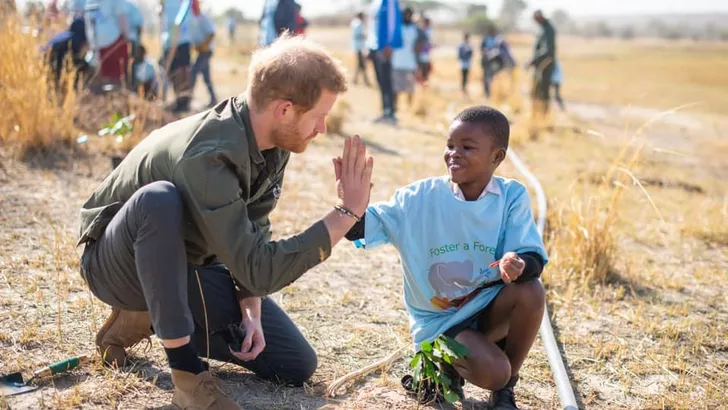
point(430, 372)
point(450, 396)
point(426, 346)
point(416, 360)
point(459, 351)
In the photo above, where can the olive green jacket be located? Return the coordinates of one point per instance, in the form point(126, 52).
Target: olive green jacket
point(228, 188)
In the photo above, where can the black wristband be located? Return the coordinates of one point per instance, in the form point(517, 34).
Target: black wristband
point(357, 231)
point(533, 268)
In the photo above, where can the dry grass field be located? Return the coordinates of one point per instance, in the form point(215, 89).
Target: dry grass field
point(636, 233)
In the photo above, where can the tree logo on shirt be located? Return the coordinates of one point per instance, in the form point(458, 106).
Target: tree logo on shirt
point(453, 282)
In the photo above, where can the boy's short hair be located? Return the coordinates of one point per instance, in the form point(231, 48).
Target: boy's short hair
point(294, 69)
point(493, 122)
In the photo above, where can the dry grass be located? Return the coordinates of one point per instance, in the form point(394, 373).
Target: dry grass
point(583, 240)
point(638, 303)
point(34, 116)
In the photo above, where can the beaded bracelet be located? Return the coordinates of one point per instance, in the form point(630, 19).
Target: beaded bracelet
point(347, 212)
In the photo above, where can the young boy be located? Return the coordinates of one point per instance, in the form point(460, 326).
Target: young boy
point(144, 74)
point(465, 55)
point(448, 231)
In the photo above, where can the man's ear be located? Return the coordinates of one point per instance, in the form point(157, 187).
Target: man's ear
point(281, 108)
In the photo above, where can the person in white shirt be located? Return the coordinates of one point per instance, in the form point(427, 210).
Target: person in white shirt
point(424, 59)
point(107, 31)
point(232, 24)
point(404, 60)
point(359, 38)
point(204, 43)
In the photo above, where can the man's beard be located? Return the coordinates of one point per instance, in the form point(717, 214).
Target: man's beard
point(287, 137)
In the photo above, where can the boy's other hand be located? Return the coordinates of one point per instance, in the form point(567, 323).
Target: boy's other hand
point(511, 267)
point(353, 172)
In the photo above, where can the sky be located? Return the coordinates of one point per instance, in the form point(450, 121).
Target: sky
point(573, 7)
point(253, 8)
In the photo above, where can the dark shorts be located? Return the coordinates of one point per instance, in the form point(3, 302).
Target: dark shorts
point(182, 58)
point(477, 322)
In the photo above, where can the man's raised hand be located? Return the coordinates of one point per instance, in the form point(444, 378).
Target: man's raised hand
point(353, 172)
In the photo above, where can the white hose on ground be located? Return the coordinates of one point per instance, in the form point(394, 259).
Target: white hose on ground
point(561, 378)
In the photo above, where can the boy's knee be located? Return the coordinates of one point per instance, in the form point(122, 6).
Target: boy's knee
point(501, 375)
point(496, 375)
point(532, 294)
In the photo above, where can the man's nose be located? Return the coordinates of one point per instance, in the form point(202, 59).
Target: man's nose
point(320, 126)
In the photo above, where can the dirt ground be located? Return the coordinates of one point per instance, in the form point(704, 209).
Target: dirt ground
point(652, 337)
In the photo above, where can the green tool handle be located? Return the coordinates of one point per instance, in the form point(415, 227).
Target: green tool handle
point(62, 366)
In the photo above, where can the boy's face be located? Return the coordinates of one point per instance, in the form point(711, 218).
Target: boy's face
point(471, 156)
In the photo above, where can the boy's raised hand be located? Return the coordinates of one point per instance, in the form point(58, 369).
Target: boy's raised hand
point(353, 172)
point(511, 267)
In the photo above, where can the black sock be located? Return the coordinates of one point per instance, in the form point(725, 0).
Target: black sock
point(512, 382)
point(185, 358)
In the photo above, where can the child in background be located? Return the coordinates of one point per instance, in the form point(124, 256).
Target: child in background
point(465, 56)
point(203, 38)
point(448, 230)
point(556, 80)
point(144, 73)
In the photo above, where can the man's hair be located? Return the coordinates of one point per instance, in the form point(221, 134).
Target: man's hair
point(293, 69)
point(493, 122)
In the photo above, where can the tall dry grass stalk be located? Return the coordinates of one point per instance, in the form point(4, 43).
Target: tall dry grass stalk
point(35, 117)
point(337, 117)
point(582, 235)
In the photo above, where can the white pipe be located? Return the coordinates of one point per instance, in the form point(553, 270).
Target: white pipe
point(563, 385)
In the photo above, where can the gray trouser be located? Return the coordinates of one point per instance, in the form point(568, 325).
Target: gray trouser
point(139, 263)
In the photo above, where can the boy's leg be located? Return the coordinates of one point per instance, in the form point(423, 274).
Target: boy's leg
point(208, 78)
point(287, 356)
point(487, 366)
point(514, 315)
point(557, 94)
point(195, 72)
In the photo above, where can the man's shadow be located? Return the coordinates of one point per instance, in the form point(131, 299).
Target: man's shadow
point(247, 389)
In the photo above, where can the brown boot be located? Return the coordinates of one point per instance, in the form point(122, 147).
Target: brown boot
point(122, 330)
point(199, 392)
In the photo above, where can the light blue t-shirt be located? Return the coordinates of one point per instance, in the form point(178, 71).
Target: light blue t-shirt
point(465, 55)
point(446, 244)
point(358, 37)
point(557, 77)
point(102, 21)
point(170, 9)
point(145, 71)
point(267, 30)
point(405, 58)
point(74, 7)
point(202, 26)
point(136, 21)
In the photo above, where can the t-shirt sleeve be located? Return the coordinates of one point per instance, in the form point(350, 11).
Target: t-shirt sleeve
point(384, 221)
point(521, 234)
point(207, 26)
